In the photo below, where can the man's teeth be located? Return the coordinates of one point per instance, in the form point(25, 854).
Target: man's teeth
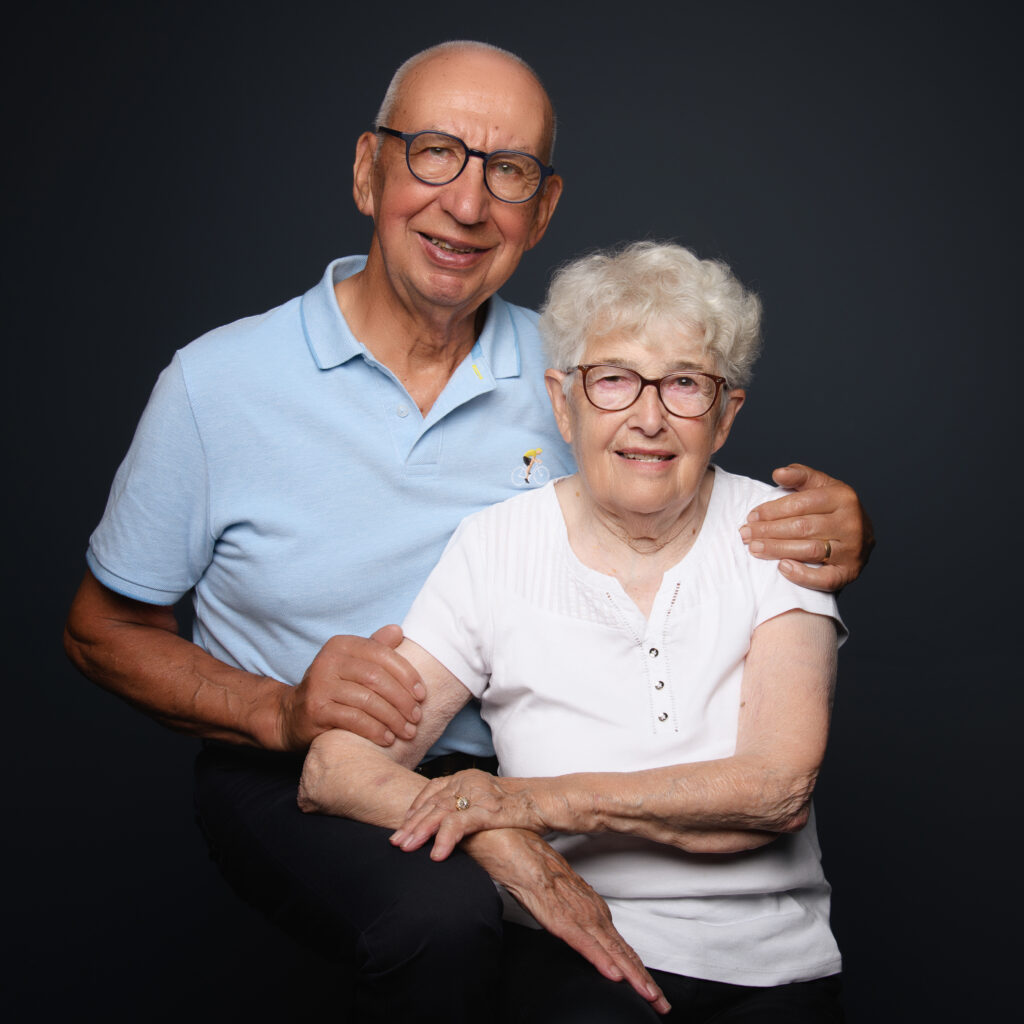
point(442, 244)
point(638, 457)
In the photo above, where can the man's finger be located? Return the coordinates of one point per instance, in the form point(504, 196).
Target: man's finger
point(827, 578)
point(799, 477)
point(811, 551)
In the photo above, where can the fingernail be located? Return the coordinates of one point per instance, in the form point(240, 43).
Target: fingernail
point(419, 691)
point(753, 517)
point(786, 565)
point(417, 713)
point(757, 546)
point(410, 731)
point(746, 532)
point(389, 738)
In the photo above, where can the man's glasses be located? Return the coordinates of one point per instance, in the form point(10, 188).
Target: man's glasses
point(437, 158)
point(687, 393)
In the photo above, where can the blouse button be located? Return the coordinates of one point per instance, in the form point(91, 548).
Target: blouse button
point(653, 652)
point(403, 411)
point(660, 684)
point(663, 717)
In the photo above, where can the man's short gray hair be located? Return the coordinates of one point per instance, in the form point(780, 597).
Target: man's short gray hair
point(625, 289)
point(394, 89)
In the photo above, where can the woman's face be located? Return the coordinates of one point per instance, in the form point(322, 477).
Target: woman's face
point(643, 460)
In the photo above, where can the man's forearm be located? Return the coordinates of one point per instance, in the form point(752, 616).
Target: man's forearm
point(135, 652)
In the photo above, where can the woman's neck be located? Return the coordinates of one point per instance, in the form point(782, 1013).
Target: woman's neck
point(635, 549)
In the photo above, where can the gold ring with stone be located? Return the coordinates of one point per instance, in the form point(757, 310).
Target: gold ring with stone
point(461, 803)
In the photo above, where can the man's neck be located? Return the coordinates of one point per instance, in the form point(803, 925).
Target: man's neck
point(421, 348)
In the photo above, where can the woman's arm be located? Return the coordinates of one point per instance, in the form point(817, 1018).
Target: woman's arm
point(719, 806)
point(347, 775)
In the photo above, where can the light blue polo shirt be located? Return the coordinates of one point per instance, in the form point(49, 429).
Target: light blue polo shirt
point(288, 477)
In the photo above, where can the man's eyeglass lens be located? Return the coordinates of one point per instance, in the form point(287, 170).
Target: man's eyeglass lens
point(437, 159)
point(687, 394)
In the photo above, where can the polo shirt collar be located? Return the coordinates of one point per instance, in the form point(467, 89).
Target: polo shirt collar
point(332, 343)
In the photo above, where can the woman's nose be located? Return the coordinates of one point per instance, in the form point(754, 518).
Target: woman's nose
point(648, 410)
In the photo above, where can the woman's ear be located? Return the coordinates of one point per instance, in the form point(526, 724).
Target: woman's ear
point(559, 403)
point(734, 399)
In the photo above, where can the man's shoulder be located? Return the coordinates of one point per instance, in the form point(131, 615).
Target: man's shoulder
point(243, 337)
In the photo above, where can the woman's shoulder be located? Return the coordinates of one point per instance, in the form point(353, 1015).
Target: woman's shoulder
point(737, 495)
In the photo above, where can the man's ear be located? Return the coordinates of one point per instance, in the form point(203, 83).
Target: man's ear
point(546, 204)
point(362, 173)
point(559, 403)
point(734, 399)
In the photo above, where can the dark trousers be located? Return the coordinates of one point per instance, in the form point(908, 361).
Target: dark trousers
point(563, 988)
point(417, 941)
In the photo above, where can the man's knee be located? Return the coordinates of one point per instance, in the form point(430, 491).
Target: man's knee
point(446, 912)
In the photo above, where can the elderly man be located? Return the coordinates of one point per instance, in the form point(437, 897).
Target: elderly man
point(300, 472)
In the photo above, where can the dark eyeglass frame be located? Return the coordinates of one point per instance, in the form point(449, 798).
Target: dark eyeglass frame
point(657, 382)
point(407, 137)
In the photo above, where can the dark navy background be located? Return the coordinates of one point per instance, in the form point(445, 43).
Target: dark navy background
point(173, 167)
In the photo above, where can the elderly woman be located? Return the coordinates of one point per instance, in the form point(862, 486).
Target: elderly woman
point(659, 700)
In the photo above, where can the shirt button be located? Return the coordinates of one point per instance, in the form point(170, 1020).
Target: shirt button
point(660, 684)
point(663, 717)
point(403, 411)
point(653, 652)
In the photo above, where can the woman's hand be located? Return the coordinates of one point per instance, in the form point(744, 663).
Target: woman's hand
point(455, 806)
point(542, 881)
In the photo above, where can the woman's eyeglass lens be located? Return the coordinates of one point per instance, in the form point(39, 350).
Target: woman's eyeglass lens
point(689, 394)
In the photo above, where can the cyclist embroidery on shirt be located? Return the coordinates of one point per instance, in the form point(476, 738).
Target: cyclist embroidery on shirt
point(531, 472)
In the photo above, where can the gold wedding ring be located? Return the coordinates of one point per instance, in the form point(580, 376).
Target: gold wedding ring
point(828, 551)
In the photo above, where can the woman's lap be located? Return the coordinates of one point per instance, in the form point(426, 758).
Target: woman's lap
point(544, 980)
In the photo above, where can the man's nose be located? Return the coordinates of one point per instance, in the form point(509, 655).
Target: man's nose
point(466, 198)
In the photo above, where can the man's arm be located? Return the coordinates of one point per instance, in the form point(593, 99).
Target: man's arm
point(133, 649)
point(721, 806)
point(795, 528)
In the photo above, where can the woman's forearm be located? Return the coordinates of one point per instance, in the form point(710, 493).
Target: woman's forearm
point(705, 805)
point(350, 777)
point(720, 806)
point(723, 806)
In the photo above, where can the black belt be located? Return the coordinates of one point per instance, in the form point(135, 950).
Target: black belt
point(449, 764)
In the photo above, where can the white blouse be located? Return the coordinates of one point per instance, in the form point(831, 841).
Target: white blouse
point(572, 677)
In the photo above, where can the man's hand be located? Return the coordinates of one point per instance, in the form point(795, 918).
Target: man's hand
point(821, 522)
point(543, 882)
point(357, 684)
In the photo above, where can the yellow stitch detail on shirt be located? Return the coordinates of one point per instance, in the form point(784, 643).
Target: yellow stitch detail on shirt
point(477, 372)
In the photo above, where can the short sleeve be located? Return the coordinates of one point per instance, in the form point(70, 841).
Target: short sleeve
point(451, 617)
point(778, 595)
point(153, 542)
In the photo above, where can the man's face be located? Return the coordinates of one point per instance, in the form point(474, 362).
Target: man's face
point(446, 249)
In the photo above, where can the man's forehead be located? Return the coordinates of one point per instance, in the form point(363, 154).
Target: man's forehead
point(489, 88)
